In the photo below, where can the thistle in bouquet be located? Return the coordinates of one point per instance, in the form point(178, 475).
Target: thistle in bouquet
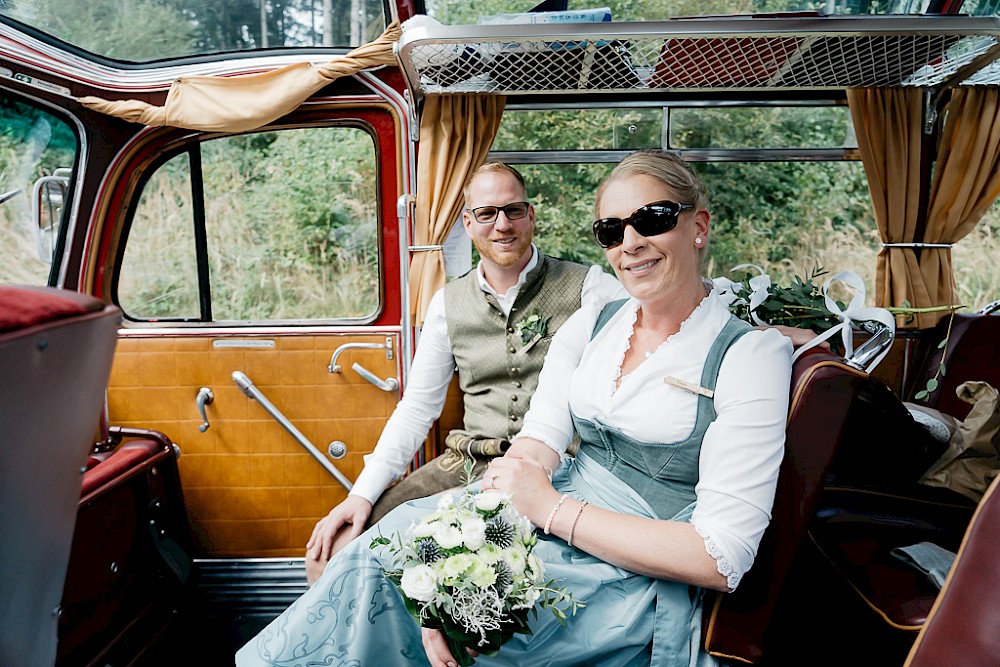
point(467, 569)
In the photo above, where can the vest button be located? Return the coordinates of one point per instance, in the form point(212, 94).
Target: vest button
point(513, 398)
point(517, 384)
point(511, 349)
point(510, 330)
point(513, 418)
point(513, 370)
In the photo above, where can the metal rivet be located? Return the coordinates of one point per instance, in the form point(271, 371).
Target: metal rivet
point(42, 343)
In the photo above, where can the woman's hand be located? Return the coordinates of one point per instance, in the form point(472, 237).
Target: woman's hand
point(527, 481)
point(436, 647)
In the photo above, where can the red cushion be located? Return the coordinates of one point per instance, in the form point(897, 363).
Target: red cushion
point(22, 307)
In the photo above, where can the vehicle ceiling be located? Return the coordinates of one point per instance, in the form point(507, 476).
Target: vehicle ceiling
point(119, 32)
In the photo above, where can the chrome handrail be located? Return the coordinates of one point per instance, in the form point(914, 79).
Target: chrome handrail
point(248, 388)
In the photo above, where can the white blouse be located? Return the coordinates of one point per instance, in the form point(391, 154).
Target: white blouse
point(743, 447)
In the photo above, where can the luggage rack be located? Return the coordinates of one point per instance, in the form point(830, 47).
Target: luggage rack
point(697, 55)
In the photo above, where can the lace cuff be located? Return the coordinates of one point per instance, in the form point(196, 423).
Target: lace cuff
point(722, 563)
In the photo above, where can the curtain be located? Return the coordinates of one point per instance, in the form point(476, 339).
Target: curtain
point(241, 103)
point(456, 133)
point(889, 125)
point(966, 182)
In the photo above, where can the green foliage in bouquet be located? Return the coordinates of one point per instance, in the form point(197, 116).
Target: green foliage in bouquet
point(800, 304)
point(467, 569)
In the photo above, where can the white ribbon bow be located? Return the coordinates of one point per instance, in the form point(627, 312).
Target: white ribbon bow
point(855, 312)
point(759, 286)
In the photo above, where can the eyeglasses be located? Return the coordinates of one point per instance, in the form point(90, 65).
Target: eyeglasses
point(487, 214)
point(649, 220)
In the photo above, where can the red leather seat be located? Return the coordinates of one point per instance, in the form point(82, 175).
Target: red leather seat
point(56, 349)
point(963, 627)
point(823, 390)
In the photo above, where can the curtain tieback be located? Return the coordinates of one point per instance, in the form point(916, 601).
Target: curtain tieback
point(425, 248)
point(917, 245)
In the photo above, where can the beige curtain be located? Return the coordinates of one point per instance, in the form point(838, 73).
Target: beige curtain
point(456, 133)
point(241, 103)
point(966, 182)
point(889, 125)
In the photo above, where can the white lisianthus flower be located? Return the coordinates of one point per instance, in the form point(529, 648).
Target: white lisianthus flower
point(482, 573)
point(447, 536)
point(488, 501)
point(419, 582)
point(516, 558)
point(536, 567)
point(455, 566)
point(423, 529)
point(490, 553)
point(446, 501)
point(474, 533)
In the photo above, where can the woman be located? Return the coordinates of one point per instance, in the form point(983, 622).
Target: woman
point(680, 409)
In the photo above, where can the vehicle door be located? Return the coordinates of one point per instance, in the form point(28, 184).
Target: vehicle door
point(259, 274)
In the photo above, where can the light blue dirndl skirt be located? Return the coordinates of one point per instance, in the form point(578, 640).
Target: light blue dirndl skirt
point(353, 616)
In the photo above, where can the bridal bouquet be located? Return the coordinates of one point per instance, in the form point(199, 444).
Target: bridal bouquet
point(467, 569)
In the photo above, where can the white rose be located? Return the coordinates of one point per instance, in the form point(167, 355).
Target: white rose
point(488, 501)
point(447, 536)
point(419, 582)
point(474, 533)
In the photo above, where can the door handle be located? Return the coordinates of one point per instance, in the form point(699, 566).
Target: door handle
point(388, 384)
point(205, 396)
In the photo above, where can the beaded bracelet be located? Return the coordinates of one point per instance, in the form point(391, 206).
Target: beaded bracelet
point(569, 542)
point(552, 514)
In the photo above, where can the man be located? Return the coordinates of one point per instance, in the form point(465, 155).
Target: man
point(494, 324)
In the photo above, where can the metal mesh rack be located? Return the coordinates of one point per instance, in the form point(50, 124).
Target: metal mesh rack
point(695, 55)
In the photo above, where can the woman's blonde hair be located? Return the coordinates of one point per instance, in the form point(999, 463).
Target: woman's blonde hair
point(661, 165)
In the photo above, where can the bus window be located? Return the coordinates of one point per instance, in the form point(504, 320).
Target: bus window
point(762, 127)
point(626, 128)
point(37, 154)
point(290, 231)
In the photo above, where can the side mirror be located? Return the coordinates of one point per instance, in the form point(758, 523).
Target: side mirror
point(48, 196)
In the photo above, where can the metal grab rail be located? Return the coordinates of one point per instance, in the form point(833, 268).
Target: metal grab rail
point(248, 388)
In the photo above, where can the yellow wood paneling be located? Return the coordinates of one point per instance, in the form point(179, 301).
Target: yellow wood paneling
point(250, 488)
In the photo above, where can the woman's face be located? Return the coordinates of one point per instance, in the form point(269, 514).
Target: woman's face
point(660, 267)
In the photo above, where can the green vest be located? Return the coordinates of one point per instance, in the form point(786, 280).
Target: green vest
point(497, 372)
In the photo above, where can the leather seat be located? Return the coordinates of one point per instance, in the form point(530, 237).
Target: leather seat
point(56, 350)
point(823, 390)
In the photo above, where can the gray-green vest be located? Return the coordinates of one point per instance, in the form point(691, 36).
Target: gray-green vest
point(497, 372)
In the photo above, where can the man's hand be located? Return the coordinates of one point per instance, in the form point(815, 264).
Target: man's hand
point(344, 523)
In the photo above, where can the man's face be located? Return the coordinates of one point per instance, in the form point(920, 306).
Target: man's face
point(503, 242)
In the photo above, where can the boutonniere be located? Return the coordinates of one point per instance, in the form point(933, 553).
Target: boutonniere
point(532, 327)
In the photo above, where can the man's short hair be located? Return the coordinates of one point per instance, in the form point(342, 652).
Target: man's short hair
point(491, 168)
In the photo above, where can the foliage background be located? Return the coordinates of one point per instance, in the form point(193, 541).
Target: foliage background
point(787, 217)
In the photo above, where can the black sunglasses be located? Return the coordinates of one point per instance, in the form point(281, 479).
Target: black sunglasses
point(649, 220)
point(487, 214)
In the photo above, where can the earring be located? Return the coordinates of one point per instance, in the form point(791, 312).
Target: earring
point(697, 240)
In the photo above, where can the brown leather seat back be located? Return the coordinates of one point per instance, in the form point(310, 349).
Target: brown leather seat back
point(963, 626)
point(972, 353)
point(56, 349)
point(823, 391)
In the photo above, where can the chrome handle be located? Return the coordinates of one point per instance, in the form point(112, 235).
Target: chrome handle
point(388, 384)
point(253, 393)
point(335, 368)
point(205, 396)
